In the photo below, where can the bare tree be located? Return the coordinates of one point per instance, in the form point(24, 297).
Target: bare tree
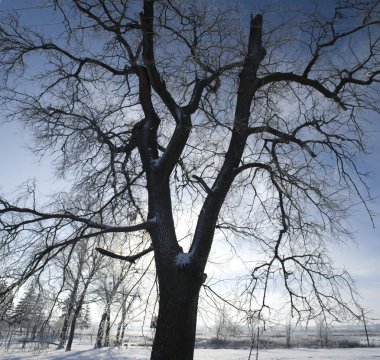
point(288, 334)
point(160, 111)
point(127, 299)
point(110, 282)
point(70, 302)
point(323, 333)
point(93, 263)
point(6, 303)
point(225, 325)
point(6, 307)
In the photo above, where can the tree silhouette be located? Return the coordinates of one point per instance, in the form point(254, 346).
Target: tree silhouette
point(160, 111)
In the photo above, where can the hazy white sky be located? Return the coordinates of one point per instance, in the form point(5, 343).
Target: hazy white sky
point(361, 258)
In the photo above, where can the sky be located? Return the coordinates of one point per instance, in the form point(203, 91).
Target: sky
point(361, 257)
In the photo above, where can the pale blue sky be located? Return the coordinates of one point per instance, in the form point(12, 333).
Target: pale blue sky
point(362, 258)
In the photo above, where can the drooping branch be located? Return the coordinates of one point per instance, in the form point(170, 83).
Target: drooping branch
point(38, 217)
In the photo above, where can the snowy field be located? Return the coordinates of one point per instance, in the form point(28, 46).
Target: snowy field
point(140, 353)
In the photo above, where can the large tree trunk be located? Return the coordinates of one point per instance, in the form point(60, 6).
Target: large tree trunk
point(179, 283)
point(177, 318)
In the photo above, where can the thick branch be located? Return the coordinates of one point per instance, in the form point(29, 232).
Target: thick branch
point(147, 130)
point(131, 258)
point(80, 61)
point(40, 216)
point(200, 85)
point(208, 217)
point(290, 77)
point(283, 136)
point(150, 62)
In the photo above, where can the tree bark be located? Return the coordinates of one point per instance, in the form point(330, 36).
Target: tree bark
point(177, 317)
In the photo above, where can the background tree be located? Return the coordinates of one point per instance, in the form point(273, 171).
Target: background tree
point(225, 325)
point(111, 280)
point(127, 300)
point(29, 313)
point(288, 334)
point(6, 307)
point(79, 269)
point(93, 264)
point(323, 333)
point(84, 318)
point(69, 303)
point(6, 302)
point(160, 111)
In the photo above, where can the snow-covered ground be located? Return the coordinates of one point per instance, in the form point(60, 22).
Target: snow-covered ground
point(82, 352)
